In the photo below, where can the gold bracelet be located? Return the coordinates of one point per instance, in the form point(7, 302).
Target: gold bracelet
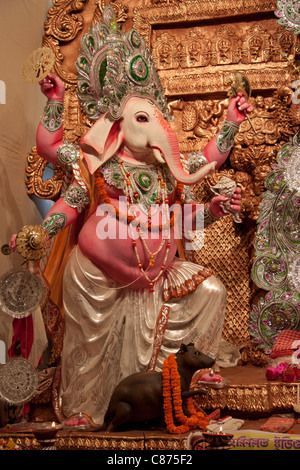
point(209, 218)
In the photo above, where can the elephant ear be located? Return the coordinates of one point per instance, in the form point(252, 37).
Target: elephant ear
point(101, 142)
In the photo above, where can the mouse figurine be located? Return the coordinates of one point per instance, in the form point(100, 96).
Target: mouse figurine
point(139, 397)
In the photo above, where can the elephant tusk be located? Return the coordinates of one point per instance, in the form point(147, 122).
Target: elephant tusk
point(158, 155)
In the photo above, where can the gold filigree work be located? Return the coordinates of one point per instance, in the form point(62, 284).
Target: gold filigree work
point(44, 189)
point(146, 17)
point(64, 22)
point(99, 441)
point(121, 11)
point(264, 398)
point(238, 44)
point(38, 64)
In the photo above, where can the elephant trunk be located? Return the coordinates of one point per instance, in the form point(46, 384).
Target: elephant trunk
point(172, 158)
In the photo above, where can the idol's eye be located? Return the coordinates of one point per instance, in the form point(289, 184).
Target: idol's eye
point(141, 117)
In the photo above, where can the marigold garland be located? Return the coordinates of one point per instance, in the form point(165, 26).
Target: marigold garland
point(100, 182)
point(173, 402)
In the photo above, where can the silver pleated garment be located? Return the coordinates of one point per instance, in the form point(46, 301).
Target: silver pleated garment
point(109, 331)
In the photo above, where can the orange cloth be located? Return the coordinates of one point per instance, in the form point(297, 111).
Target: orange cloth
point(63, 245)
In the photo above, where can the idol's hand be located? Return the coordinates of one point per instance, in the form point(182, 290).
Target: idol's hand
point(52, 87)
point(238, 108)
point(235, 203)
point(12, 242)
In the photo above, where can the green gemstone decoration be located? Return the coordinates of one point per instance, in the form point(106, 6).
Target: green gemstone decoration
point(117, 177)
point(153, 198)
point(84, 87)
point(113, 25)
point(102, 72)
point(144, 180)
point(139, 69)
point(90, 41)
point(135, 39)
point(145, 185)
point(52, 116)
point(83, 64)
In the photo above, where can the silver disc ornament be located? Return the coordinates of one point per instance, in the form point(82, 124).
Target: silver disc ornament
point(18, 381)
point(20, 293)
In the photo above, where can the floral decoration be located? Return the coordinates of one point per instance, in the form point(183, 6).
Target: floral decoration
point(173, 402)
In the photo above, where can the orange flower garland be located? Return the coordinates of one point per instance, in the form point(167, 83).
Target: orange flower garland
point(173, 402)
point(99, 180)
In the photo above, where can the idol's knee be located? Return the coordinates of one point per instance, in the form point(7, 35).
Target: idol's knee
point(215, 287)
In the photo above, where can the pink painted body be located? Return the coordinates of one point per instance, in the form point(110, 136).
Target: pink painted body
point(140, 137)
point(117, 258)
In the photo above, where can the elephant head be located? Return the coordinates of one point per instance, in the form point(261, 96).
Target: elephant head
point(141, 133)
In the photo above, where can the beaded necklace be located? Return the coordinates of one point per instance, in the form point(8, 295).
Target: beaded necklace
point(100, 185)
point(132, 208)
point(167, 222)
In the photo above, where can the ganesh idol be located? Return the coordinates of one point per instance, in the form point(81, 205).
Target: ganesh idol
point(128, 300)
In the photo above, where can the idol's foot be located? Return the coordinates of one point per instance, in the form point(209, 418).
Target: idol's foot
point(80, 421)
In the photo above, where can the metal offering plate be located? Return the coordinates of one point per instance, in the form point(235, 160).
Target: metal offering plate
point(20, 293)
point(18, 381)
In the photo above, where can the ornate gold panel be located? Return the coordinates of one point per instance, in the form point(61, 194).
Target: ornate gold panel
point(197, 46)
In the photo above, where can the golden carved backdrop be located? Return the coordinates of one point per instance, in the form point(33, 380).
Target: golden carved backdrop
point(198, 46)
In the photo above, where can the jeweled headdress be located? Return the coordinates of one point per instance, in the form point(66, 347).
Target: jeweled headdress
point(113, 66)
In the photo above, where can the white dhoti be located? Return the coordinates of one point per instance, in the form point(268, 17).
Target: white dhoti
point(110, 331)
